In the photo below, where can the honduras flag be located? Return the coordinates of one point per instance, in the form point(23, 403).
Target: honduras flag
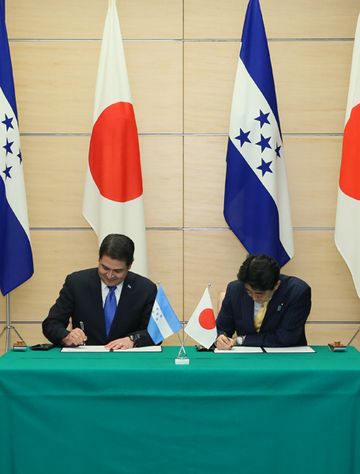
point(163, 320)
point(16, 263)
point(256, 204)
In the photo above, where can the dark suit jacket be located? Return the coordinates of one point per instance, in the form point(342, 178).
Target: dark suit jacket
point(80, 299)
point(284, 321)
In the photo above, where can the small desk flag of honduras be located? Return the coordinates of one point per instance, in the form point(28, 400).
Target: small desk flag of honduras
point(202, 325)
point(16, 262)
point(163, 320)
point(113, 196)
point(256, 203)
point(347, 228)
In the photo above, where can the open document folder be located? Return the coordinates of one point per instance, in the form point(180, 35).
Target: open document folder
point(287, 350)
point(278, 350)
point(82, 349)
point(239, 350)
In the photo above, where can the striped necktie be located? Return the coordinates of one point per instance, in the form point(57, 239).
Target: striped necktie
point(259, 316)
point(110, 308)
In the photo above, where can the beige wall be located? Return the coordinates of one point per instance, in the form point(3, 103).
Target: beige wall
point(181, 57)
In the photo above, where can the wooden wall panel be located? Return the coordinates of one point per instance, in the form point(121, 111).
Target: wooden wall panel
point(283, 18)
point(56, 254)
point(2, 311)
point(165, 261)
point(311, 87)
point(313, 165)
point(85, 19)
point(322, 334)
point(204, 178)
point(176, 340)
point(55, 85)
point(162, 167)
point(55, 176)
point(209, 74)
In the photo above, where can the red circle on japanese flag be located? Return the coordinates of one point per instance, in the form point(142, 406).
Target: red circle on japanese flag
point(207, 319)
point(114, 155)
point(350, 163)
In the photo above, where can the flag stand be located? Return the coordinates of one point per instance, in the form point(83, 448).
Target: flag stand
point(182, 357)
point(8, 327)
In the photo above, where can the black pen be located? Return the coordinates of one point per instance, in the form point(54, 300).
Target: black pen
point(82, 327)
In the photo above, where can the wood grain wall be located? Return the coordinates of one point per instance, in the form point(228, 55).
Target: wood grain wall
point(181, 57)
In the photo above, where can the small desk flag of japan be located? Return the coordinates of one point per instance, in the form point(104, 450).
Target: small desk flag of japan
point(16, 262)
point(113, 196)
point(256, 203)
point(202, 325)
point(347, 228)
point(163, 320)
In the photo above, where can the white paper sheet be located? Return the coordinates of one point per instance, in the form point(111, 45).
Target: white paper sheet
point(239, 350)
point(81, 349)
point(287, 350)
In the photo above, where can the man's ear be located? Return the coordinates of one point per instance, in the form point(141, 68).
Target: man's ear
point(277, 285)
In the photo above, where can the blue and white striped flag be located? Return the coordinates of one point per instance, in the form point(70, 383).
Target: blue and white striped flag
point(163, 321)
point(256, 204)
point(16, 262)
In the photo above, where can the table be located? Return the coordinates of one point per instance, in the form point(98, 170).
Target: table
point(140, 413)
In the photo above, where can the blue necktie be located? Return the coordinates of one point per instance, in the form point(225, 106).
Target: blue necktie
point(110, 308)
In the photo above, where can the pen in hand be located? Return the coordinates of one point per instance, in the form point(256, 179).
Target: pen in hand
point(82, 327)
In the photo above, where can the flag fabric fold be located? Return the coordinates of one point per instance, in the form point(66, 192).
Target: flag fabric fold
point(163, 320)
point(16, 261)
point(202, 325)
point(113, 195)
point(347, 227)
point(256, 202)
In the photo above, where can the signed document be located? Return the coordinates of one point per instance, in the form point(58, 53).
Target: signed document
point(82, 349)
point(288, 350)
point(239, 350)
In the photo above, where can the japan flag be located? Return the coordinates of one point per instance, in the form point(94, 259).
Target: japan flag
point(113, 195)
point(202, 325)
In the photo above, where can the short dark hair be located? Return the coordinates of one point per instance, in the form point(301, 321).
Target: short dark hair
point(119, 247)
point(261, 272)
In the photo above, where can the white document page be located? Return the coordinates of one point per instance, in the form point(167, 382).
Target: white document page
point(81, 349)
point(239, 350)
point(287, 350)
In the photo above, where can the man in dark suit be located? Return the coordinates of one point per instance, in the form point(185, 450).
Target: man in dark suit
point(87, 293)
point(263, 307)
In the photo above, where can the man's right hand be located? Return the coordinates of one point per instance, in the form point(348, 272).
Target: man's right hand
point(224, 343)
point(76, 337)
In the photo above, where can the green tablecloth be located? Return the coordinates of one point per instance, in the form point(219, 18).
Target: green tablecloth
point(138, 413)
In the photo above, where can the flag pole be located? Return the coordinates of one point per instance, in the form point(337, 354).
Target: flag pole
point(8, 327)
point(182, 357)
